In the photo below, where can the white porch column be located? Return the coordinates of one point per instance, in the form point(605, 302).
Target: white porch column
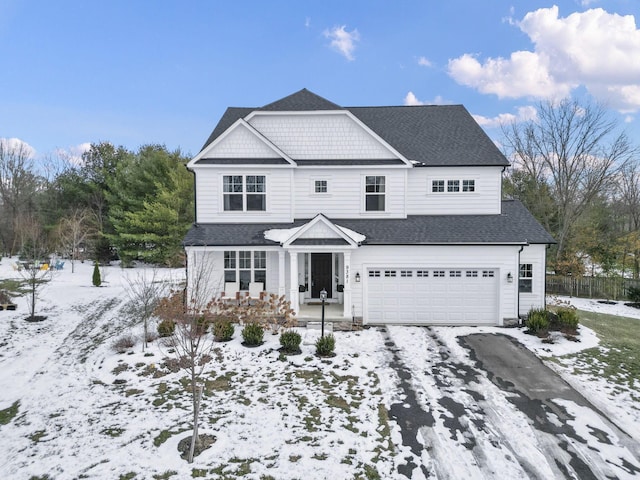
point(293, 281)
point(347, 285)
point(282, 288)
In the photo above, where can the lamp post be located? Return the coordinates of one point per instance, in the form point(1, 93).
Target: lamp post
point(323, 297)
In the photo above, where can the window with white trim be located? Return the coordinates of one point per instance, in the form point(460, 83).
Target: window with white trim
point(374, 273)
point(422, 273)
point(389, 273)
point(468, 185)
point(455, 273)
point(244, 193)
point(453, 185)
point(437, 186)
point(245, 266)
point(525, 278)
point(374, 188)
point(438, 273)
point(488, 273)
point(472, 273)
point(320, 186)
point(406, 273)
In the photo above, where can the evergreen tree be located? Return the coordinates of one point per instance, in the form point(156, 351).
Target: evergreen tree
point(97, 281)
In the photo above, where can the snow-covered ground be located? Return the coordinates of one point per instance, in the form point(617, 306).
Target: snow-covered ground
point(84, 411)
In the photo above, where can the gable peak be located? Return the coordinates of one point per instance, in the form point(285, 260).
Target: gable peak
point(300, 101)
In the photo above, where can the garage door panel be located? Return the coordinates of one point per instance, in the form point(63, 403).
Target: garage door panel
point(432, 296)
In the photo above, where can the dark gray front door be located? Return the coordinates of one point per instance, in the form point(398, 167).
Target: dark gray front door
point(320, 274)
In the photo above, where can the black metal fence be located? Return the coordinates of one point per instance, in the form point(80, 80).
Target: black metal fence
point(611, 288)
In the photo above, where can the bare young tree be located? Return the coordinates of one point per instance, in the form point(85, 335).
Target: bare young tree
point(576, 150)
point(145, 292)
point(36, 271)
point(189, 310)
point(74, 231)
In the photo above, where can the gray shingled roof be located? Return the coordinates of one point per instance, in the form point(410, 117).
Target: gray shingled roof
point(514, 225)
point(435, 135)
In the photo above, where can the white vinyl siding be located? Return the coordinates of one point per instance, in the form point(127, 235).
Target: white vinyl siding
point(533, 255)
point(210, 196)
point(424, 197)
point(345, 198)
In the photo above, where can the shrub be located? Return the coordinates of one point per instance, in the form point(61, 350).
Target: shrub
point(634, 294)
point(537, 321)
point(202, 325)
point(223, 330)
point(123, 343)
point(166, 328)
point(97, 281)
point(290, 341)
point(252, 334)
point(568, 318)
point(325, 345)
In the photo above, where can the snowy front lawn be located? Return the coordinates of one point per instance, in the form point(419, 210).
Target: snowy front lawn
point(72, 407)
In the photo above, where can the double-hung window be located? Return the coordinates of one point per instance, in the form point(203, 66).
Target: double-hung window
point(374, 193)
point(437, 186)
point(245, 266)
point(525, 280)
point(453, 185)
point(244, 193)
point(468, 185)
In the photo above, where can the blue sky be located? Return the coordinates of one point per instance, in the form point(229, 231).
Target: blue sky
point(136, 72)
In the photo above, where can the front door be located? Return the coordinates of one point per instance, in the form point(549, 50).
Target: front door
point(321, 274)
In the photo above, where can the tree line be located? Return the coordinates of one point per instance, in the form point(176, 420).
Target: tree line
point(113, 202)
point(576, 170)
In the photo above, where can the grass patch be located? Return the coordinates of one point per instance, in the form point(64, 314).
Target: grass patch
point(113, 431)
point(9, 414)
point(165, 475)
point(618, 357)
point(36, 436)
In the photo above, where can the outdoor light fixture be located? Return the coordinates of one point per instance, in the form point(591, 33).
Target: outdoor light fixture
point(357, 277)
point(323, 297)
point(509, 277)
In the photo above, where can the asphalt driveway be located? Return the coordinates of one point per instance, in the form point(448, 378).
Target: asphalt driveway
point(492, 409)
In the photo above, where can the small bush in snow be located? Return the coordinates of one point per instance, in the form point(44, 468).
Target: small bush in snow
point(538, 321)
point(290, 341)
point(124, 343)
point(166, 328)
point(568, 318)
point(634, 294)
point(223, 330)
point(252, 334)
point(325, 345)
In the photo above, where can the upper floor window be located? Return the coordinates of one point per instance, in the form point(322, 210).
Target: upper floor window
point(437, 186)
point(320, 186)
point(468, 185)
point(525, 279)
point(374, 194)
point(453, 186)
point(244, 192)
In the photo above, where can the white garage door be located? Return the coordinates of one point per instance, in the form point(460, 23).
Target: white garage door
point(432, 296)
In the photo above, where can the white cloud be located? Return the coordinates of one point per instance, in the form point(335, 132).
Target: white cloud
point(522, 114)
point(343, 41)
point(411, 99)
point(594, 48)
point(73, 154)
point(18, 146)
point(424, 62)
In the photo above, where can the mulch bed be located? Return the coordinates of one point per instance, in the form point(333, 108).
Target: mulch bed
point(632, 305)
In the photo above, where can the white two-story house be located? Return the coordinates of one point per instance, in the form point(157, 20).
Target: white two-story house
point(396, 212)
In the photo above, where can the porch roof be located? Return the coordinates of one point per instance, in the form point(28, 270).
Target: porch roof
point(514, 225)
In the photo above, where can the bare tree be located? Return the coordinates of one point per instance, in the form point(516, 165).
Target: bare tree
point(145, 292)
point(189, 310)
point(18, 184)
point(575, 149)
point(36, 271)
point(74, 231)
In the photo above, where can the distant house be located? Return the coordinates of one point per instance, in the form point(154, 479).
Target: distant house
point(396, 212)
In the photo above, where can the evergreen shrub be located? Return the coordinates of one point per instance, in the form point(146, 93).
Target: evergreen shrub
point(325, 345)
point(290, 341)
point(166, 328)
point(223, 330)
point(568, 318)
point(252, 334)
point(537, 321)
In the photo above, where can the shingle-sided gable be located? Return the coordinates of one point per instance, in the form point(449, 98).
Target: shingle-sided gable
point(430, 135)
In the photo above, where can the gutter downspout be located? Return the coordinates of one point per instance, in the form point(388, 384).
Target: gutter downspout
point(518, 282)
